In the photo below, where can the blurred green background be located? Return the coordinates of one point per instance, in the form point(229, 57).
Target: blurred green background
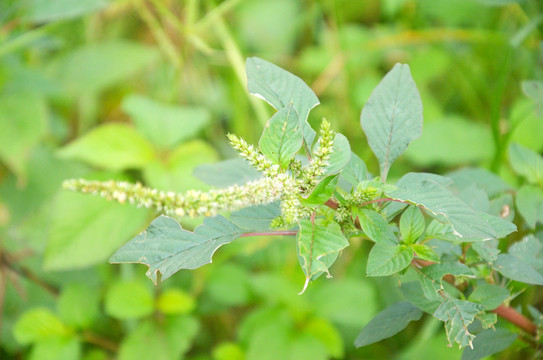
point(146, 90)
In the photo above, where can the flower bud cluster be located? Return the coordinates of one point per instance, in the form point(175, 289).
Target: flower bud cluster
point(253, 155)
point(321, 155)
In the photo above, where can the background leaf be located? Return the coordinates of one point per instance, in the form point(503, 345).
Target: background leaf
point(392, 117)
point(129, 300)
point(526, 163)
point(489, 342)
point(489, 295)
point(226, 173)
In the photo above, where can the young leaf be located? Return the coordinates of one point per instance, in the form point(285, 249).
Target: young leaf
point(355, 171)
point(411, 224)
point(282, 137)
point(431, 192)
point(166, 248)
point(280, 88)
point(322, 192)
point(489, 342)
point(425, 252)
point(385, 260)
point(316, 243)
point(375, 227)
point(489, 295)
point(457, 315)
point(526, 163)
point(392, 117)
point(388, 323)
point(529, 203)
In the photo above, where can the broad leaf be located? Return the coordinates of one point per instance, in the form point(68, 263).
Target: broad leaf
point(129, 300)
point(529, 250)
point(387, 323)
point(517, 269)
point(340, 156)
point(282, 137)
point(526, 163)
point(431, 277)
point(355, 171)
point(111, 146)
point(385, 260)
point(319, 244)
point(489, 342)
point(411, 224)
point(457, 315)
point(322, 192)
point(166, 248)
point(257, 217)
point(489, 295)
point(425, 252)
point(483, 179)
point(280, 88)
point(375, 227)
point(431, 192)
point(226, 173)
point(529, 203)
point(392, 117)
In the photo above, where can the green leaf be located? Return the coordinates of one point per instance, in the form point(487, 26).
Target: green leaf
point(392, 117)
point(529, 203)
point(483, 179)
point(57, 347)
point(534, 90)
point(529, 250)
point(431, 277)
point(517, 269)
point(375, 227)
point(280, 88)
point(425, 252)
point(327, 335)
point(489, 342)
point(355, 171)
point(226, 173)
point(282, 137)
point(457, 315)
point(228, 351)
point(257, 217)
point(323, 191)
point(97, 66)
point(78, 305)
point(526, 163)
point(487, 319)
point(385, 260)
point(41, 11)
point(341, 155)
point(431, 192)
point(318, 246)
point(129, 300)
point(85, 230)
point(166, 248)
point(165, 125)
point(174, 302)
point(489, 295)
point(413, 292)
point(37, 324)
point(411, 224)
point(388, 323)
point(111, 146)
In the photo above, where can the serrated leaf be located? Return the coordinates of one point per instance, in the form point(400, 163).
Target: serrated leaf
point(166, 248)
point(388, 323)
point(392, 117)
point(411, 224)
point(489, 295)
point(226, 173)
point(318, 246)
point(489, 342)
point(279, 88)
point(282, 137)
point(425, 252)
point(355, 171)
point(257, 217)
point(322, 192)
point(517, 269)
point(457, 315)
point(113, 146)
point(165, 125)
point(526, 163)
point(385, 260)
point(529, 203)
point(431, 192)
point(375, 227)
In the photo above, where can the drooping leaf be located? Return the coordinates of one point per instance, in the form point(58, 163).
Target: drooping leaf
point(165, 125)
point(517, 269)
point(376, 227)
point(280, 88)
point(319, 244)
point(529, 203)
point(457, 315)
point(112, 147)
point(129, 300)
point(166, 248)
point(385, 260)
point(226, 173)
point(392, 117)
point(388, 323)
point(489, 295)
point(489, 342)
point(322, 192)
point(411, 224)
point(526, 163)
point(355, 171)
point(282, 137)
point(257, 217)
point(431, 192)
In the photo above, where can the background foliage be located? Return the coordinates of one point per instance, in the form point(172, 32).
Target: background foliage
point(145, 91)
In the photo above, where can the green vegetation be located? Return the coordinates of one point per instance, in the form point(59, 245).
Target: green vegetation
point(125, 93)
